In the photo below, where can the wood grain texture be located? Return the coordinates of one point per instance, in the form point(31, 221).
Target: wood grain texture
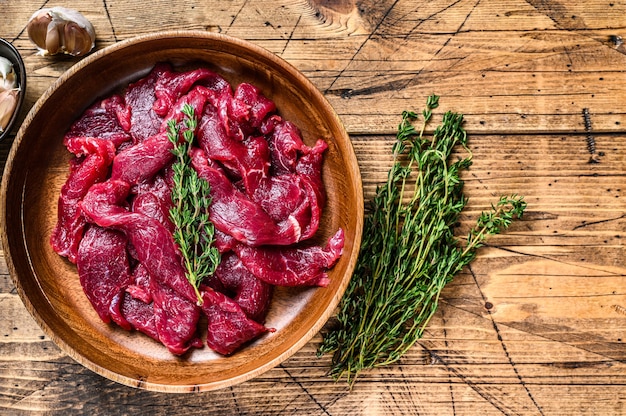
point(537, 324)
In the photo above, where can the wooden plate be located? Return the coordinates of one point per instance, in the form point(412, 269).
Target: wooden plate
point(38, 166)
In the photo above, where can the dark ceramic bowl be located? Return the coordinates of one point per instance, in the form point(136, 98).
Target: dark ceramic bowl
point(8, 51)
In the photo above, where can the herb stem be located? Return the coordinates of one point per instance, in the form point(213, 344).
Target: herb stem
point(194, 233)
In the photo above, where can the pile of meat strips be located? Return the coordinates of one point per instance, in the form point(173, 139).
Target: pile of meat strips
point(267, 196)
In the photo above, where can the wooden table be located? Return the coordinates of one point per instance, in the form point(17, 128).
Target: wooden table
point(537, 324)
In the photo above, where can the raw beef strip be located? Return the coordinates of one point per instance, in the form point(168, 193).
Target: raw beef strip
point(140, 98)
point(140, 287)
point(292, 266)
point(142, 161)
point(251, 294)
point(91, 165)
point(256, 169)
point(107, 119)
point(103, 268)
point(247, 161)
point(248, 109)
point(228, 326)
point(280, 196)
point(286, 144)
point(290, 197)
point(289, 154)
point(233, 213)
point(298, 194)
point(309, 166)
point(176, 319)
point(309, 172)
point(294, 189)
point(139, 315)
point(172, 85)
point(196, 98)
point(154, 199)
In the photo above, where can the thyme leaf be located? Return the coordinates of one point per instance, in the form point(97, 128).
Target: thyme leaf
point(409, 251)
point(194, 233)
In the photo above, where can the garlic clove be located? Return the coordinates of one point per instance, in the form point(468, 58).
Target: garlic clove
point(9, 77)
point(9, 83)
point(77, 41)
point(6, 67)
point(53, 41)
point(37, 28)
point(8, 103)
point(61, 30)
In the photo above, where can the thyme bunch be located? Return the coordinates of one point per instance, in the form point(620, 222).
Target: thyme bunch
point(409, 251)
point(194, 233)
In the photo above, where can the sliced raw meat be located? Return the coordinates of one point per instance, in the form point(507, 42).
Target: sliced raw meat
point(176, 319)
point(103, 268)
point(267, 194)
point(291, 266)
point(246, 161)
point(154, 200)
point(176, 316)
point(140, 97)
point(171, 291)
point(250, 293)
point(247, 110)
point(280, 196)
point(139, 315)
point(228, 326)
point(235, 214)
point(196, 98)
point(163, 315)
point(91, 165)
point(172, 85)
point(107, 119)
point(309, 166)
point(141, 162)
point(285, 143)
point(291, 197)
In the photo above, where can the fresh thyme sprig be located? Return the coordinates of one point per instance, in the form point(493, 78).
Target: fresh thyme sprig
point(194, 232)
point(409, 251)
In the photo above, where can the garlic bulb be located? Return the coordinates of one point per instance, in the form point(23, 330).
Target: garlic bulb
point(61, 30)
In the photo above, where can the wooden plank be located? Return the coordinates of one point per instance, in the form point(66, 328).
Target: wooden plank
point(536, 78)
